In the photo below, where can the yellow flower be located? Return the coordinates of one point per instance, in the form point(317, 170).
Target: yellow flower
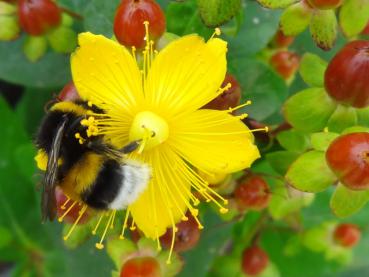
point(160, 104)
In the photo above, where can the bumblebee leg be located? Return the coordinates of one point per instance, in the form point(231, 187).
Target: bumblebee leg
point(130, 147)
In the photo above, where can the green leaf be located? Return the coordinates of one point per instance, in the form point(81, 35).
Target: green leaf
point(283, 202)
point(117, 248)
point(342, 118)
point(213, 237)
point(323, 28)
point(293, 140)
point(7, 8)
point(316, 238)
point(98, 16)
point(190, 19)
point(321, 141)
point(9, 27)
point(5, 237)
point(34, 47)
point(249, 41)
point(80, 234)
point(22, 161)
point(226, 266)
point(309, 110)
point(30, 108)
point(353, 17)
point(363, 117)
point(310, 173)
point(261, 85)
point(312, 69)
point(346, 202)
point(63, 39)
point(217, 12)
point(295, 19)
point(51, 71)
point(276, 4)
point(280, 161)
point(355, 129)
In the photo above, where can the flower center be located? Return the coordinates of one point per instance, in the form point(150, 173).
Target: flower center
point(150, 128)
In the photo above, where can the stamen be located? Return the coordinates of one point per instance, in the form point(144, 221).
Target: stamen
point(63, 207)
point(78, 136)
point(247, 103)
point(60, 219)
point(133, 227)
point(217, 32)
point(134, 53)
point(124, 224)
point(112, 221)
point(223, 89)
point(98, 224)
point(100, 245)
point(81, 213)
point(174, 230)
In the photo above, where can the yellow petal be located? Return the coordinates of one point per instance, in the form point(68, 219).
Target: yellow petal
point(214, 141)
point(165, 200)
point(186, 74)
point(105, 73)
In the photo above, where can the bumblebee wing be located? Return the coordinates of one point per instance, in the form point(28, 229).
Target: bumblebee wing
point(48, 201)
point(102, 148)
point(107, 150)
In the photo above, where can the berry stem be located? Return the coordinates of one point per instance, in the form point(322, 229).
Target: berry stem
point(71, 13)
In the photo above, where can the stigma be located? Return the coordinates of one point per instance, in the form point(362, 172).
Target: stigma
point(150, 128)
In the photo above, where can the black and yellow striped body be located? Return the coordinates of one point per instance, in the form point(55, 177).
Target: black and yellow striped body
point(83, 174)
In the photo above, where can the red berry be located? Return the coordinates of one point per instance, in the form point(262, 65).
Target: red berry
point(325, 4)
point(186, 237)
point(254, 260)
point(228, 99)
point(285, 63)
point(347, 235)
point(73, 214)
point(253, 194)
point(346, 78)
point(348, 157)
point(69, 93)
point(129, 21)
point(38, 16)
point(141, 267)
point(281, 40)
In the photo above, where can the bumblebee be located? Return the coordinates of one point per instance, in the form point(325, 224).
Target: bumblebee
point(86, 167)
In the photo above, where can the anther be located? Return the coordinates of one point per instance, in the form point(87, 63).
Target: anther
point(60, 219)
point(223, 210)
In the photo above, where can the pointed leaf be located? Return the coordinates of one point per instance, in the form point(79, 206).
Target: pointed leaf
point(321, 141)
point(323, 28)
point(355, 129)
point(342, 118)
point(293, 140)
point(309, 110)
point(280, 161)
point(283, 202)
point(217, 12)
point(363, 117)
point(276, 4)
point(295, 19)
point(310, 173)
point(354, 15)
point(346, 202)
point(312, 69)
